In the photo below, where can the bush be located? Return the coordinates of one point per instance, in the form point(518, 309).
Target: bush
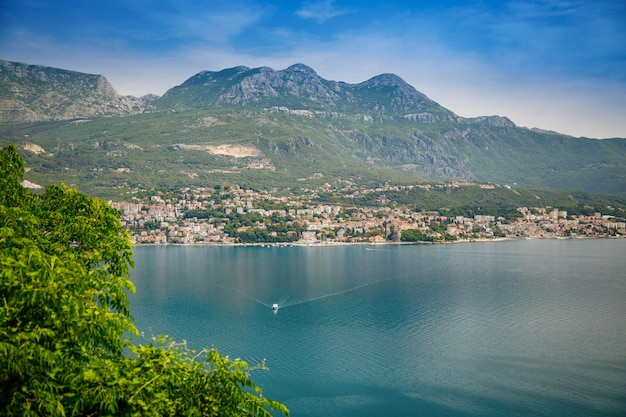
point(64, 314)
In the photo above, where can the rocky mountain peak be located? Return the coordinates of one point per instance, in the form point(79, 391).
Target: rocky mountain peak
point(43, 93)
point(499, 121)
point(302, 69)
point(231, 72)
point(300, 87)
point(33, 93)
point(386, 80)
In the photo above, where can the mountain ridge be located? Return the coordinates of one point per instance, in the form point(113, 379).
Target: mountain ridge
point(29, 106)
point(33, 93)
point(296, 128)
point(299, 87)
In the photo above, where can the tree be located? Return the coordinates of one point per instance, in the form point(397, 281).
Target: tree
point(415, 235)
point(64, 320)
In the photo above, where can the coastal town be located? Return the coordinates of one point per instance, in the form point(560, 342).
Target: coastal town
point(234, 215)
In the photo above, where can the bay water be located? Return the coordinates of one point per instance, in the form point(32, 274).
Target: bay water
point(512, 328)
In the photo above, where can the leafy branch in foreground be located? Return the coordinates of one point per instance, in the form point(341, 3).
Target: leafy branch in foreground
point(64, 314)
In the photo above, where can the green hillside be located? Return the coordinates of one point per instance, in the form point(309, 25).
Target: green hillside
point(288, 129)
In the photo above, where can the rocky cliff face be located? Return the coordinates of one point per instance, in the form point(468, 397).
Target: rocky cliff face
point(493, 121)
point(297, 87)
point(30, 93)
point(301, 88)
point(263, 84)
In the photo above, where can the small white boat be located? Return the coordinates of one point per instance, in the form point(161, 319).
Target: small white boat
point(275, 306)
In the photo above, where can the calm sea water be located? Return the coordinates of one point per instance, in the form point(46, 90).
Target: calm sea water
point(517, 328)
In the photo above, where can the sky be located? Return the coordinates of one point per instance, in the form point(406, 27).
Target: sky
point(557, 65)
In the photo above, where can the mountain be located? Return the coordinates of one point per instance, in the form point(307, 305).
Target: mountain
point(30, 93)
point(300, 88)
point(287, 128)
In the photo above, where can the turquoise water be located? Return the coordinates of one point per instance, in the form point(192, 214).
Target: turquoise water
point(511, 328)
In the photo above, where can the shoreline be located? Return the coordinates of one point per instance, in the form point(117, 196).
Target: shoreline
point(331, 244)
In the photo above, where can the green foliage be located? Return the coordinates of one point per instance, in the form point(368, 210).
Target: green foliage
point(415, 235)
point(11, 175)
point(64, 316)
point(269, 205)
point(471, 200)
point(307, 152)
point(438, 227)
point(165, 378)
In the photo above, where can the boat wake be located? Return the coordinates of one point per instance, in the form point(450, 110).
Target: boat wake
point(333, 294)
point(243, 294)
point(285, 303)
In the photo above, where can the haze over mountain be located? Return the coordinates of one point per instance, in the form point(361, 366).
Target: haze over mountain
point(259, 125)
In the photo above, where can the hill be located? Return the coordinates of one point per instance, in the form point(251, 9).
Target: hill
point(32, 93)
point(289, 128)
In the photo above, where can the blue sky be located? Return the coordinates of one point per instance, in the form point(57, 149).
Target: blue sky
point(558, 65)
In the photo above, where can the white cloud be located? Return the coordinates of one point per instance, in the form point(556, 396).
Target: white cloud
point(219, 25)
point(322, 11)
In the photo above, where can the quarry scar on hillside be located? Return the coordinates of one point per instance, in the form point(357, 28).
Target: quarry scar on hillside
point(237, 151)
